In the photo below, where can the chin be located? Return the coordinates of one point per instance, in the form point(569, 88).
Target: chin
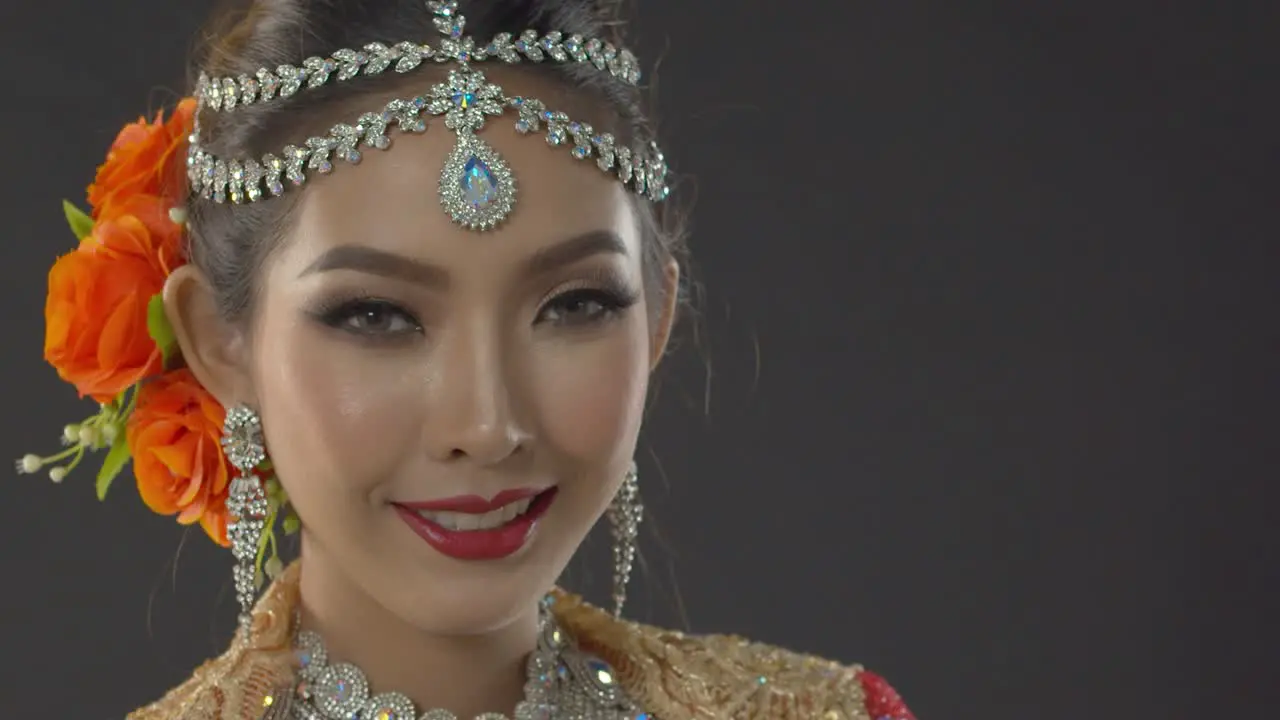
point(443, 595)
point(467, 606)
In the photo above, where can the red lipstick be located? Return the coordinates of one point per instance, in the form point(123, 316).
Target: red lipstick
point(487, 544)
point(474, 504)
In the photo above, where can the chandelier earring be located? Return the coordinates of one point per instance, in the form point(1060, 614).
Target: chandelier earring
point(247, 503)
point(625, 513)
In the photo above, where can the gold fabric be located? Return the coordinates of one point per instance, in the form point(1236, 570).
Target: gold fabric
point(671, 675)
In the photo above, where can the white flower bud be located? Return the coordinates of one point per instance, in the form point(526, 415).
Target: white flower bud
point(274, 567)
point(178, 215)
point(58, 474)
point(88, 435)
point(71, 433)
point(30, 463)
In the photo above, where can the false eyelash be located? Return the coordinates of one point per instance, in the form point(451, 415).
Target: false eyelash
point(333, 310)
point(604, 280)
point(612, 292)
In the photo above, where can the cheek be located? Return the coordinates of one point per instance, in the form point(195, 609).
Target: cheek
point(590, 397)
point(335, 415)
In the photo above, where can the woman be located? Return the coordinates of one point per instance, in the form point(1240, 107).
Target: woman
point(433, 363)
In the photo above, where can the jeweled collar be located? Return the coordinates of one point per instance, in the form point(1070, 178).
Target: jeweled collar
point(564, 678)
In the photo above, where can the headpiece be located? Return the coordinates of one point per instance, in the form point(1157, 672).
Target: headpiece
point(477, 188)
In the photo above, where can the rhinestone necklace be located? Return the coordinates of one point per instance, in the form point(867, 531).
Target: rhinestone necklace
point(561, 682)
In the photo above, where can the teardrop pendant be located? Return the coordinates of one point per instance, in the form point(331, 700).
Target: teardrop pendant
point(477, 188)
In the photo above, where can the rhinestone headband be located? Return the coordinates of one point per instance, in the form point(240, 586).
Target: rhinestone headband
point(477, 188)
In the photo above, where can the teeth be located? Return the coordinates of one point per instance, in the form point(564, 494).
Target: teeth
point(487, 521)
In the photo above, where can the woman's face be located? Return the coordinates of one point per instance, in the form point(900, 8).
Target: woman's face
point(399, 362)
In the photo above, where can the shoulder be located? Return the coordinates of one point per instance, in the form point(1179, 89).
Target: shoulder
point(194, 699)
point(242, 682)
point(744, 679)
point(676, 675)
point(239, 685)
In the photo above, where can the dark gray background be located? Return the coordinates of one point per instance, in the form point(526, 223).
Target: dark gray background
point(991, 320)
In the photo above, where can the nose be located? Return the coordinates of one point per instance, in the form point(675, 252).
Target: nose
point(471, 416)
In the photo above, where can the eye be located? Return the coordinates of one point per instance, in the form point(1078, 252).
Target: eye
point(584, 306)
point(371, 317)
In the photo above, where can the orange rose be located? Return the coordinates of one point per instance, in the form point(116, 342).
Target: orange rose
point(174, 436)
point(159, 241)
point(145, 159)
point(96, 311)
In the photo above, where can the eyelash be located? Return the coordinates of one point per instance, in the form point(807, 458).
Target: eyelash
point(343, 313)
point(609, 302)
point(602, 304)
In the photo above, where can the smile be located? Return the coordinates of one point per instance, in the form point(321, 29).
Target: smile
point(470, 522)
point(473, 528)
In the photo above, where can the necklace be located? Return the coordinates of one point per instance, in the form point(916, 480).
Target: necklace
point(561, 682)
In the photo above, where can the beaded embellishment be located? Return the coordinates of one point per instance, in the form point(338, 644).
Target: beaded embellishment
point(476, 188)
point(562, 683)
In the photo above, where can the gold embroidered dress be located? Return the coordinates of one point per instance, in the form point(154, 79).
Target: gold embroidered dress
point(672, 676)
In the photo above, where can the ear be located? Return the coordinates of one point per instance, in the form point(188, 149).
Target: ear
point(660, 334)
point(215, 350)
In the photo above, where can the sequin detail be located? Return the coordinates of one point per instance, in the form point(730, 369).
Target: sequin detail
point(882, 701)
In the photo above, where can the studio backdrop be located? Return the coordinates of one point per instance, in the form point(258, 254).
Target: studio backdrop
point(981, 392)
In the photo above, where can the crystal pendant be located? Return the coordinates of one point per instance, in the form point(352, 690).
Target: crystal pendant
point(477, 188)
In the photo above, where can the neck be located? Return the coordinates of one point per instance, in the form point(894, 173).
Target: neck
point(466, 674)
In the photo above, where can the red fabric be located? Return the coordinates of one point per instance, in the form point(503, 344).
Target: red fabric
point(883, 702)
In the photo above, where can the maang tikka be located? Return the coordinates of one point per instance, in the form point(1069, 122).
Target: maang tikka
point(247, 503)
point(476, 185)
point(625, 513)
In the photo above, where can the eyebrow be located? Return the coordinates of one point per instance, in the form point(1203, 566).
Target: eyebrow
point(579, 247)
point(377, 262)
point(398, 267)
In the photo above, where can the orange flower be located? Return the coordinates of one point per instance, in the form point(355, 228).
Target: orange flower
point(96, 311)
point(159, 240)
point(147, 158)
point(174, 436)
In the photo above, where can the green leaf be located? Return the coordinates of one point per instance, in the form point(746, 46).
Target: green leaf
point(81, 224)
point(158, 327)
point(115, 461)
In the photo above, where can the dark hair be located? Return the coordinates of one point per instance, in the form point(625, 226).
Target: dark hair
point(230, 243)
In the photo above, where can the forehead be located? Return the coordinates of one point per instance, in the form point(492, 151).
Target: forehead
point(391, 198)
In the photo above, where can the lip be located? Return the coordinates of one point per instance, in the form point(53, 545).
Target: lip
point(493, 544)
point(474, 504)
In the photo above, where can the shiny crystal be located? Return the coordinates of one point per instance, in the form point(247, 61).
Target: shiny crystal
point(478, 184)
point(480, 196)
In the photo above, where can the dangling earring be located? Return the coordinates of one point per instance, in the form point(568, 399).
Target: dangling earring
point(246, 502)
point(625, 514)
